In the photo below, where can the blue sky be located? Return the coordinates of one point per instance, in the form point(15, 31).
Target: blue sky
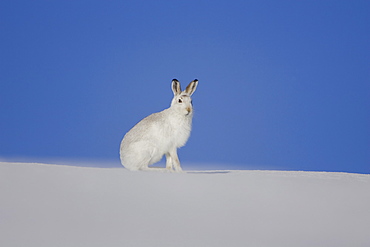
point(282, 84)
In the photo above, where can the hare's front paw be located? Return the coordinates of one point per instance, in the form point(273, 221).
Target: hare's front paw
point(178, 169)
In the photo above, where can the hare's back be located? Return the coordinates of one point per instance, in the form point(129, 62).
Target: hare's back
point(146, 129)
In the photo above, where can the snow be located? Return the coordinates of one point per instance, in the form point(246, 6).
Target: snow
point(55, 205)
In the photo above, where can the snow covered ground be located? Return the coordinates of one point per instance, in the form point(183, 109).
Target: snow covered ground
point(54, 205)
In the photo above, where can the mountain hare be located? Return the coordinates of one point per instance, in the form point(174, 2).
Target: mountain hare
point(160, 133)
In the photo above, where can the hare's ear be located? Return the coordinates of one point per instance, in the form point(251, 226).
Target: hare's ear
point(190, 89)
point(176, 89)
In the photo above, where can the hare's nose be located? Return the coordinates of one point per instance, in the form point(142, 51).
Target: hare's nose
point(188, 109)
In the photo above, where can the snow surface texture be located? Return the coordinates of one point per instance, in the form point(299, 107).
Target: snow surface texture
point(53, 205)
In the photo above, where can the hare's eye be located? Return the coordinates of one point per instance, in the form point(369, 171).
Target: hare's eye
point(180, 100)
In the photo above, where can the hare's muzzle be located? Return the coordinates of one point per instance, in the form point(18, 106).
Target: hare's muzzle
point(188, 109)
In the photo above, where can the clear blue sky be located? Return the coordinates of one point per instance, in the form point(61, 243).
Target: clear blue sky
point(282, 84)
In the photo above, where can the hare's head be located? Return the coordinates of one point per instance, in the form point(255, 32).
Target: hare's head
point(182, 99)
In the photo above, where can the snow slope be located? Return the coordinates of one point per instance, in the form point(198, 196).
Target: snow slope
point(53, 205)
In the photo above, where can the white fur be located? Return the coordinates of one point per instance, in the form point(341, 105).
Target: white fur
point(160, 133)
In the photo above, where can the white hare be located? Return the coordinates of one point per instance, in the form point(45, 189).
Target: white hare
point(160, 133)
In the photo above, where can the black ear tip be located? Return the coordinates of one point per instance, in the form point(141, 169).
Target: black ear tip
point(195, 79)
point(174, 79)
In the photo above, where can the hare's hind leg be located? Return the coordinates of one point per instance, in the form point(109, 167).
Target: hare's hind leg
point(155, 169)
point(138, 156)
point(169, 166)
